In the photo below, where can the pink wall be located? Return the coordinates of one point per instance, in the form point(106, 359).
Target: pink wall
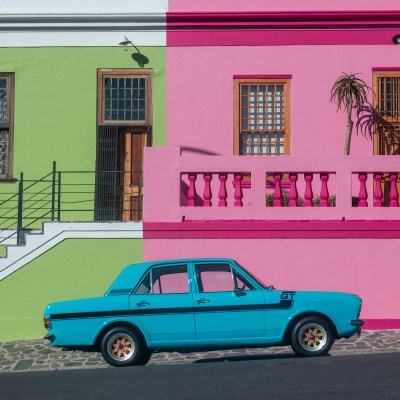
point(200, 92)
point(365, 267)
point(281, 5)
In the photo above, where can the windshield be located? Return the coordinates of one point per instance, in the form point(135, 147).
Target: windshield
point(258, 280)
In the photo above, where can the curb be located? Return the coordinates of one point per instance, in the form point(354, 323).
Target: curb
point(38, 355)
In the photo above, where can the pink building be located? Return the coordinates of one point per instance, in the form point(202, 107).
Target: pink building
point(254, 166)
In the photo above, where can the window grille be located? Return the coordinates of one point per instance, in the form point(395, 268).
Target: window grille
point(6, 124)
point(387, 106)
point(3, 152)
point(124, 99)
point(262, 114)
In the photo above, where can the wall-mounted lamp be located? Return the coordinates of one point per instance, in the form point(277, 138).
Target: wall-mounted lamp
point(140, 58)
point(396, 39)
point(125, 42)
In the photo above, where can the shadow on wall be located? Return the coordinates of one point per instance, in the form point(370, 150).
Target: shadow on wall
point(371, 122)
point(140, 58)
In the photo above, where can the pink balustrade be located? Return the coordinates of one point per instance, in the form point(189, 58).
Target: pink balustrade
point(290, 188)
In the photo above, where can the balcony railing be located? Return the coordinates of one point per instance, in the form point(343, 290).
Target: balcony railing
point(196, 187)
point(83, 196)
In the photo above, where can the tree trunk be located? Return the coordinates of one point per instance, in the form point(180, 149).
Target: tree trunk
point(348, 134)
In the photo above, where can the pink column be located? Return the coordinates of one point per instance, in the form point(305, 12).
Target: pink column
point(222, 190)
point(278, 190)
point(393, 194)
point(192, 190)
point(293, 190)
point(324, 195)
point(238, 190)
point(377, 190)
point(308, 194)
point(207, 190)
point(362, 195)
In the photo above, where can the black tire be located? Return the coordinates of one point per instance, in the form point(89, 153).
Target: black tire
point(312, 336)
point(123, 347)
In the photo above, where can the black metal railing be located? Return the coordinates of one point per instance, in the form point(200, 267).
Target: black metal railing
point(71, 196)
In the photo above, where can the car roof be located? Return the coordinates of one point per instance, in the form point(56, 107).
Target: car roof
point(131, 274)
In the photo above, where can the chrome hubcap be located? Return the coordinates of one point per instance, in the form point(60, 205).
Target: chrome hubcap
point(121, 347)
point(312, 337)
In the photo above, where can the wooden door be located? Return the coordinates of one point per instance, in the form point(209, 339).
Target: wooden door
point(134, 143)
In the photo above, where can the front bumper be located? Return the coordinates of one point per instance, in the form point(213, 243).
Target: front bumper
point(358, 323)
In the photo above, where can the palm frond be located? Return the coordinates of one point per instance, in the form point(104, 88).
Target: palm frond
point(349, 92)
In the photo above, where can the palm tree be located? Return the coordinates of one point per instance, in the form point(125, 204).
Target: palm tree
point(350, 93)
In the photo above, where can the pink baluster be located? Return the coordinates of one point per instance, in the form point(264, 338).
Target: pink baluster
point(324, 194)
point(308, 194)
point(192, 190)
point(293, 190)
point(238, 190)
point(393, 194)
point(207, 194)
point(378, 190)
point(362, 195)
point(222, 190)
point(278, 190)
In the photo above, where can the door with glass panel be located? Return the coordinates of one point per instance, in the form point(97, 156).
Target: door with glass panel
point(124, 129)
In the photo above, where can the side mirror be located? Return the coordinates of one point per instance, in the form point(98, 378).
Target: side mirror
point(239, 292)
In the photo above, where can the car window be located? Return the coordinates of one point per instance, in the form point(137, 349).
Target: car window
point(219, 278)
point(145, 286)
point(242, 283)
point(165, 280)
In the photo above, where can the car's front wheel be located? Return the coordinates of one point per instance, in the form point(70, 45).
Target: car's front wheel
point(122, 347)
point(312, 336)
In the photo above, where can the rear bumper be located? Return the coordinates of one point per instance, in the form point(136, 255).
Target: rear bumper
point(50, 337)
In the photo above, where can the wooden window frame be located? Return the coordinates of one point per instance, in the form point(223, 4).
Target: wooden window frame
point(9, 125)
point(376, 74)
point(237, 97)
point(147, 74)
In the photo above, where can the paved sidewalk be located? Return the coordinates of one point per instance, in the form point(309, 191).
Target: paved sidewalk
point(38, 355)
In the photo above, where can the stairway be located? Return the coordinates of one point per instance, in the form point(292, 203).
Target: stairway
point(38, 242)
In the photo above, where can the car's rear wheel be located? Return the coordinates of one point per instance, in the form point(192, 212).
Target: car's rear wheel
point(312, 336)
point(122, 347)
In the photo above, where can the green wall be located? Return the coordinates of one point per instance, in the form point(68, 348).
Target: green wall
point(55, 103)
point(76, 268)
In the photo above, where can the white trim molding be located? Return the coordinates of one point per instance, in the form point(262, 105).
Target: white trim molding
point(104, 24)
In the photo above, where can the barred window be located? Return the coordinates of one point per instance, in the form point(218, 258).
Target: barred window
point(262, 117)
point(124, 97)
point(6, 124)
point(387, 105)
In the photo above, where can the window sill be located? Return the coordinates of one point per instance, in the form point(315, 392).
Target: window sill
point(8, 180)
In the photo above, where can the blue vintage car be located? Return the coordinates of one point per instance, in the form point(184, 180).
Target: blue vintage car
point(199, 304)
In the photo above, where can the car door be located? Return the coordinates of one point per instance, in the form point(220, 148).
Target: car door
point(163, 303)
point(227, 306)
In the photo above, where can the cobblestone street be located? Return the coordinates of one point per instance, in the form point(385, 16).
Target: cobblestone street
point(38, 355)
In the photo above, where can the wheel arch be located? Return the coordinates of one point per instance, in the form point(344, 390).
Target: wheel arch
point(114, 324)
point(297, 318)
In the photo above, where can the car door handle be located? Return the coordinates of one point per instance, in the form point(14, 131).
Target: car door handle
point(143, 304)
point(202, 300)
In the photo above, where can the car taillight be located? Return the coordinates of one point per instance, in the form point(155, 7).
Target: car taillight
point(47, 322)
